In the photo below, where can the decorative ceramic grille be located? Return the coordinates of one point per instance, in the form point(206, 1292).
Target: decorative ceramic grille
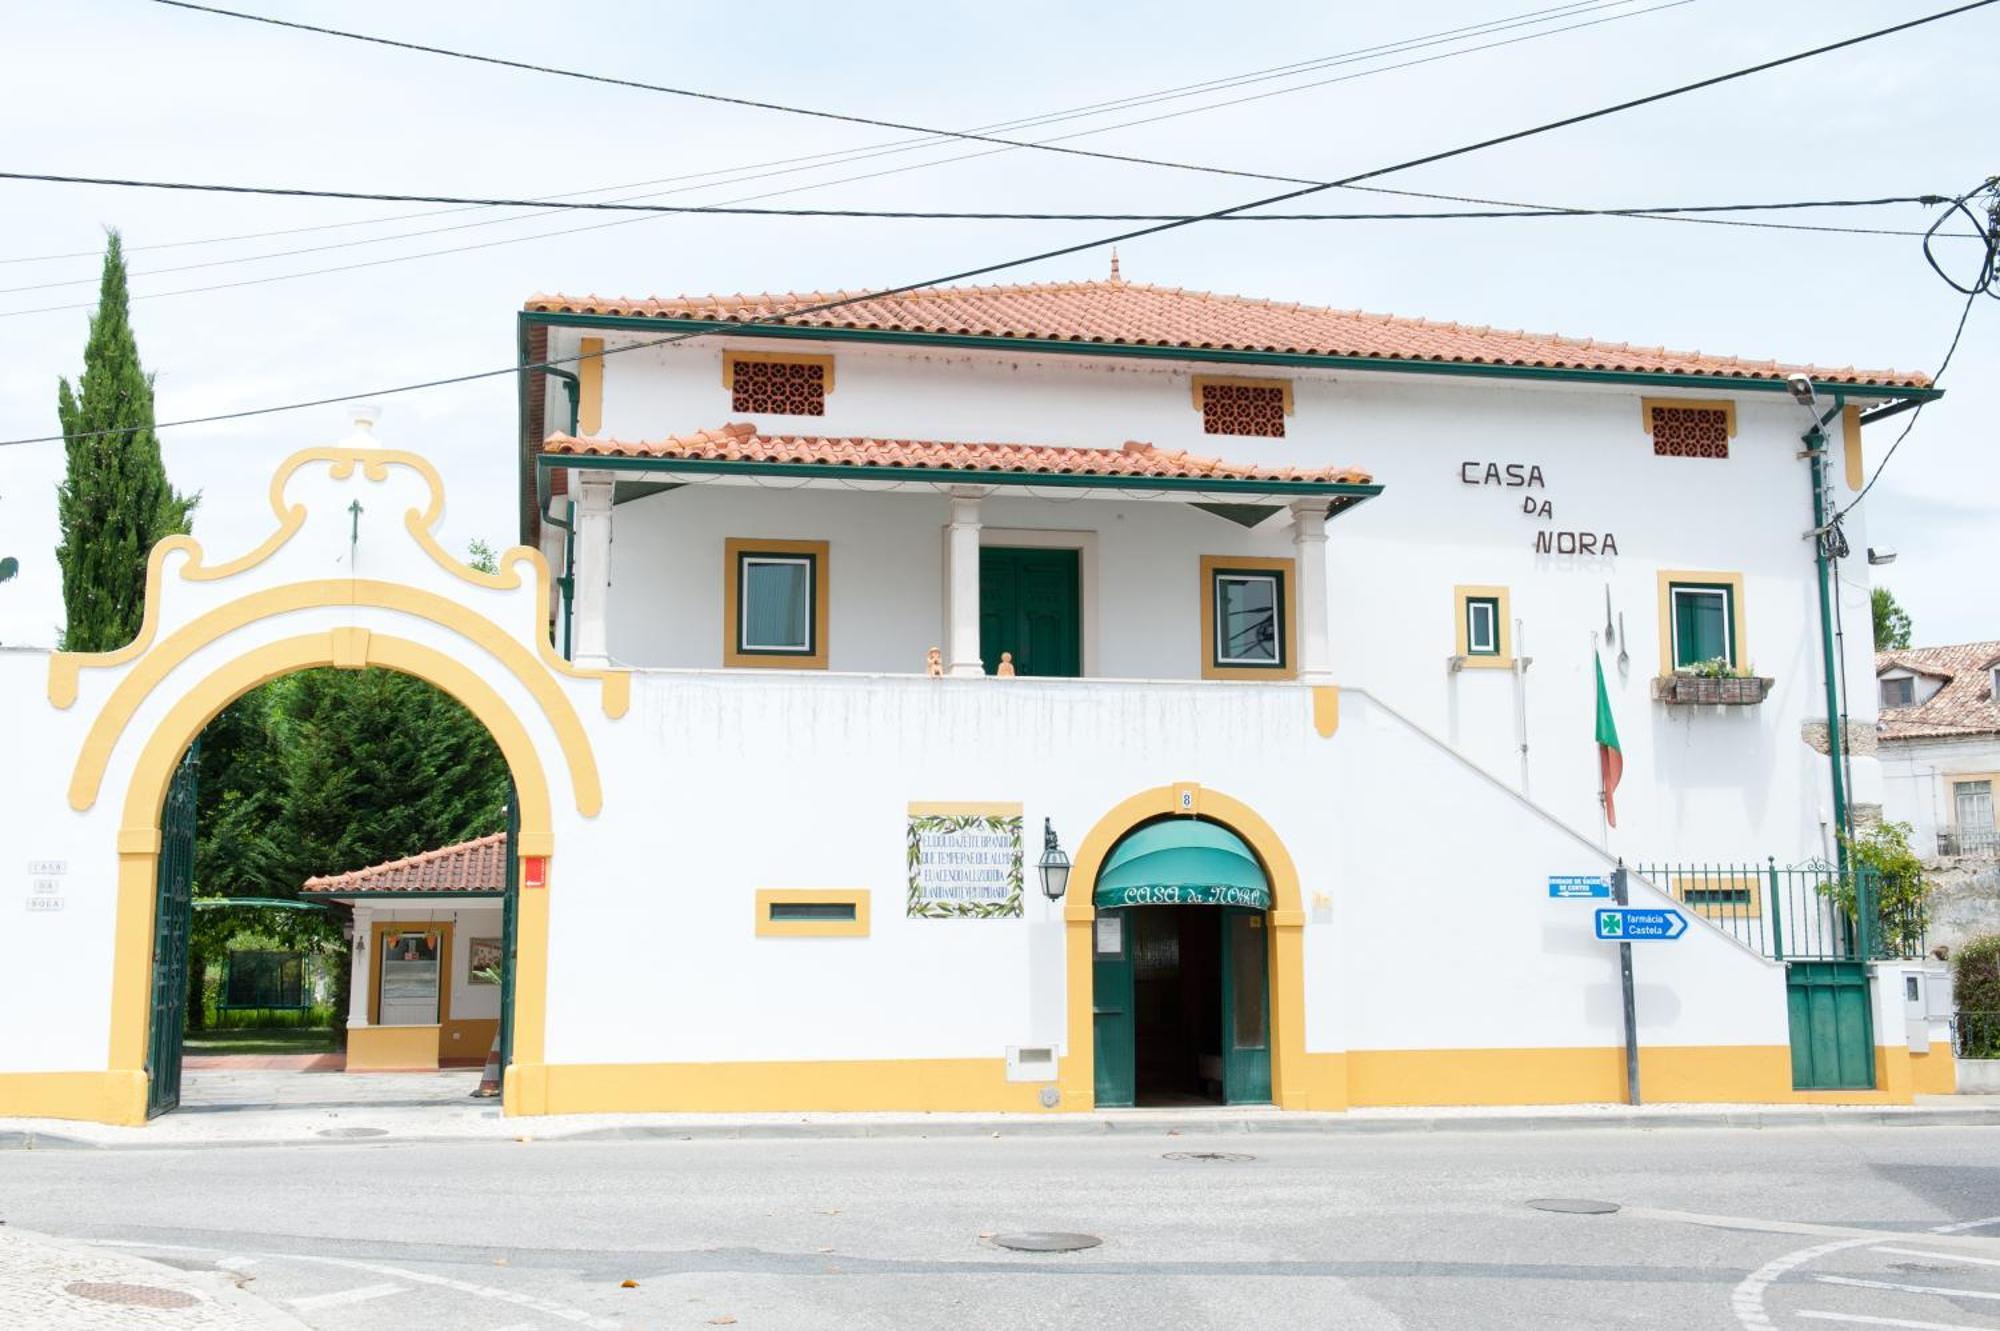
point(1689, 432)
point(779, 388)
point(1253, 409)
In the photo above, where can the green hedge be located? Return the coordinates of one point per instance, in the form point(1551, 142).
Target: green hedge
point(1976, 982)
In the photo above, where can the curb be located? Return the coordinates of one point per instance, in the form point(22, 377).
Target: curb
point(1329, 1125)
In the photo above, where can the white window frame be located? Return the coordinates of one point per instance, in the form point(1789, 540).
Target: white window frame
point(1728, 594)
point(1907, 680)
point(1276, 580)
point(743, 565)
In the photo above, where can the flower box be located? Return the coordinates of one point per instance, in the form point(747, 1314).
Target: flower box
point(1710, 690)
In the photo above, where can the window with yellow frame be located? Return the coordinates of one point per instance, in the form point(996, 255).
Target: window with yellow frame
point(812, 912)
point(1249, 618)
point(1484, 635)
point(774, 601)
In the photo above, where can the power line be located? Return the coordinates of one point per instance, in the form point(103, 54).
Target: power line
point(937, 136)
point(726, 99)
point(1985, 282)
point(983, 270)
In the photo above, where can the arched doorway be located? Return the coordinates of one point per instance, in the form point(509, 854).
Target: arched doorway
point(1180, 969)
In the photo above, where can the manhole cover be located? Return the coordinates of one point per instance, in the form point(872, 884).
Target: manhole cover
point(1046, 1241)
point(352, 1132)
point(1573, 1205)
point(1229, 1157)
point(134, 1296)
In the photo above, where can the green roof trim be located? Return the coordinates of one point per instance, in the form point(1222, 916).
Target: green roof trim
point(1208, 355)
point(1345, 493)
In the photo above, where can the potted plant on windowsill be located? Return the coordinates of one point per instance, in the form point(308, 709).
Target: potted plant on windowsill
point(1713, 681)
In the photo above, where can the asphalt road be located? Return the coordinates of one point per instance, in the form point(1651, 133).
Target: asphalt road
point(1796, 1228)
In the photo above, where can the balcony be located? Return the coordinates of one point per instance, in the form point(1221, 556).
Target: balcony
point(1978, 841)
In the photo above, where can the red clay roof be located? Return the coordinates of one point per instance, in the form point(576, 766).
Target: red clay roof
point(472, 867)
point(1122, 313)
point(741, 442)
point(1964, 706)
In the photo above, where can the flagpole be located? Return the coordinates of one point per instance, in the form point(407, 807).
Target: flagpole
point(1603, 817)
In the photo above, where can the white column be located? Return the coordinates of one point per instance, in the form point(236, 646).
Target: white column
point(962, 574)
point(593, 568)
point(1309, 552)
point(357, 985)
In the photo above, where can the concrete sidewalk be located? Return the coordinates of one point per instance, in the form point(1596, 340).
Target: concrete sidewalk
point(390, 1120)
point(65, 1286)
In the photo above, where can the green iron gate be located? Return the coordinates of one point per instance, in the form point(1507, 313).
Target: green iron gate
point(173, 918)
point(1833, 1036)
point(509, 929)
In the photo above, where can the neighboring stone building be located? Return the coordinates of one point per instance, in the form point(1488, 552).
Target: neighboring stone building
point(1939, 745)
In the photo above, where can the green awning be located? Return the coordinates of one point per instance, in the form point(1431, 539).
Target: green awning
point(1184, 862)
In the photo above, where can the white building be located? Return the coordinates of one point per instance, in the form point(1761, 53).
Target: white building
point(1302, 610)
point(1939, 739)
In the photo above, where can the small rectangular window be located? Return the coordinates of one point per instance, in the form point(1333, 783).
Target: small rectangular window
point(812, 910)
point(1703, 624)
point(774, 604)
point(812, 913)
point(1482, 626)
point(1899, 692)
point(1249, 619)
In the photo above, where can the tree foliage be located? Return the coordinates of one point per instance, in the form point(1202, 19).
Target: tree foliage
point(1892, 622)
point(1897, 885)
point(322, 772)
point(1976, 983)
point(114, 503)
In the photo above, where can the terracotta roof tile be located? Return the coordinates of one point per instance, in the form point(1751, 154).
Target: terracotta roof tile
point(471, 867)
point(741, 442)
point(1964, 706)
point(1123, 313)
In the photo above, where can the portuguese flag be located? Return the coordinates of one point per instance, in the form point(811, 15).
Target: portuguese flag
point(1610, 759)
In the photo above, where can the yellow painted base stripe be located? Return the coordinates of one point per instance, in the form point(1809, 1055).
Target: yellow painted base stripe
point(1934, 1073)
point(965, 1084)
point(392, 1048)
point(90, 1097)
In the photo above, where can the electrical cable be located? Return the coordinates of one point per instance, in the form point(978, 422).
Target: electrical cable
point(1512, 136)
point(1986, 282)
point(940, 136)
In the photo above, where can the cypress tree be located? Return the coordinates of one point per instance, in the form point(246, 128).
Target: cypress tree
point(114, 502)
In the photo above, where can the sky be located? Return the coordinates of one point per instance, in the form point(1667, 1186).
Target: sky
point(131, 88)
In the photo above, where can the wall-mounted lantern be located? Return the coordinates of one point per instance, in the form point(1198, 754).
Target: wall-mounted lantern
point(1053, 864)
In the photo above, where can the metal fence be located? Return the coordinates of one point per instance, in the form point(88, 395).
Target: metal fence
point(1974, 841)
point(262, 979)
point(1809, 912)
point(1976, 1035)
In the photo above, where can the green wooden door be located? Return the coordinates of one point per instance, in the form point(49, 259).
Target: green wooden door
point(1833, 1032)
point(1030, 605)
point(1246, 1007)
point(1114, 1031)
point(173, 920)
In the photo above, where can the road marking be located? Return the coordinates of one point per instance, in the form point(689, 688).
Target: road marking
point(344, 1296)
point(1747, 1299)
point(1892, 1321)
point(1938, 1256)
point(1947, 1235)
point(1938, 1290)
point(547, 1307)
point(1967, 1224)
point(235, 1263)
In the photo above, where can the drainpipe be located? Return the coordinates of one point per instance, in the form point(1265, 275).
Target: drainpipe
point(1815, 440)
point(573, 388)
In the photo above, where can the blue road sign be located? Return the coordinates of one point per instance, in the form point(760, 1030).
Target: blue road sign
point(1579, 885)
point(1625, 924)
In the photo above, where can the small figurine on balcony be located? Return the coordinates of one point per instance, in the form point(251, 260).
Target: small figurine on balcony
point(934, 663)
point(1006, 667)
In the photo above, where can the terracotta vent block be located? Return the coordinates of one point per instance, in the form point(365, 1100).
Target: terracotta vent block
point(779, 388)
point(1246, 409)
point(1690, 432)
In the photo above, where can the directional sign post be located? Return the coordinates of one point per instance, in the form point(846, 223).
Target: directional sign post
point(1577, 886)
point(1625, 924)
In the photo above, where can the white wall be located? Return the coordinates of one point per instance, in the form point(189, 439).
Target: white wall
point(1700, 784)
point(1917, 782)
